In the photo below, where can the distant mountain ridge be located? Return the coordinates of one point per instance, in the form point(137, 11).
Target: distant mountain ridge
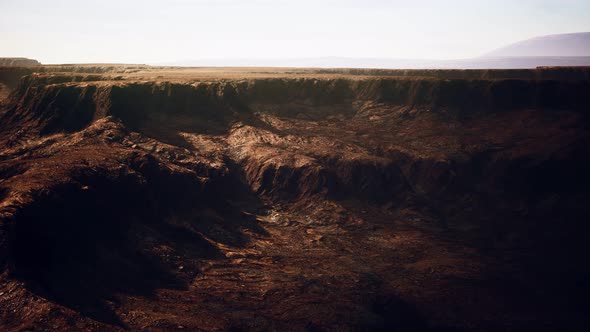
point(559, 50)
point(563, 50)
point(389, 63)
point(560, 45)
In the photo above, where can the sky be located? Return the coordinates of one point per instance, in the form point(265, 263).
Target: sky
point(152, 32)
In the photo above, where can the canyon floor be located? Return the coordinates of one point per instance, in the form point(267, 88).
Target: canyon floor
point(257, 199)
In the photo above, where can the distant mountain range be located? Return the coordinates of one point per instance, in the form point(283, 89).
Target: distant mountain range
point(563, 45)
point(385, 63)
point(572, 49)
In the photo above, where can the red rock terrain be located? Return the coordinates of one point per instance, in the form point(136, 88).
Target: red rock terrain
point(257, 199)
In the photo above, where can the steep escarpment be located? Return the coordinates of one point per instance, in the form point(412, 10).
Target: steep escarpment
point(311, 203)
point(140, 101)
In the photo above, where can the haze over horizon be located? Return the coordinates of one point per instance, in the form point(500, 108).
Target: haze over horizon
point(67, 31)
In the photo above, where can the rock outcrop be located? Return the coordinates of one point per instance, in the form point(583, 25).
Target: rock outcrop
point(18, 62)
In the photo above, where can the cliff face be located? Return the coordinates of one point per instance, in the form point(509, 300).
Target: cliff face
point(388, 179)
point(45, 96)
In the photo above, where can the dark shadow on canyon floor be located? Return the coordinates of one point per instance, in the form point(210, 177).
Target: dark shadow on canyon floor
point(80, 248)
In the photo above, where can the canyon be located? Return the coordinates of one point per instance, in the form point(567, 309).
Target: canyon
point(138, 197)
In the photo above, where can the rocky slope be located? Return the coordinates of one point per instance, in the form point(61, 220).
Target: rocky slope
point(149, 198)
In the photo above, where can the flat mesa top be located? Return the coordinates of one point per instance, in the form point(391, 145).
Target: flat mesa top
point(139, 72)
point(134, 73)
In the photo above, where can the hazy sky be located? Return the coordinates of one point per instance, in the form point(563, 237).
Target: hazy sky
point(149, 31)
